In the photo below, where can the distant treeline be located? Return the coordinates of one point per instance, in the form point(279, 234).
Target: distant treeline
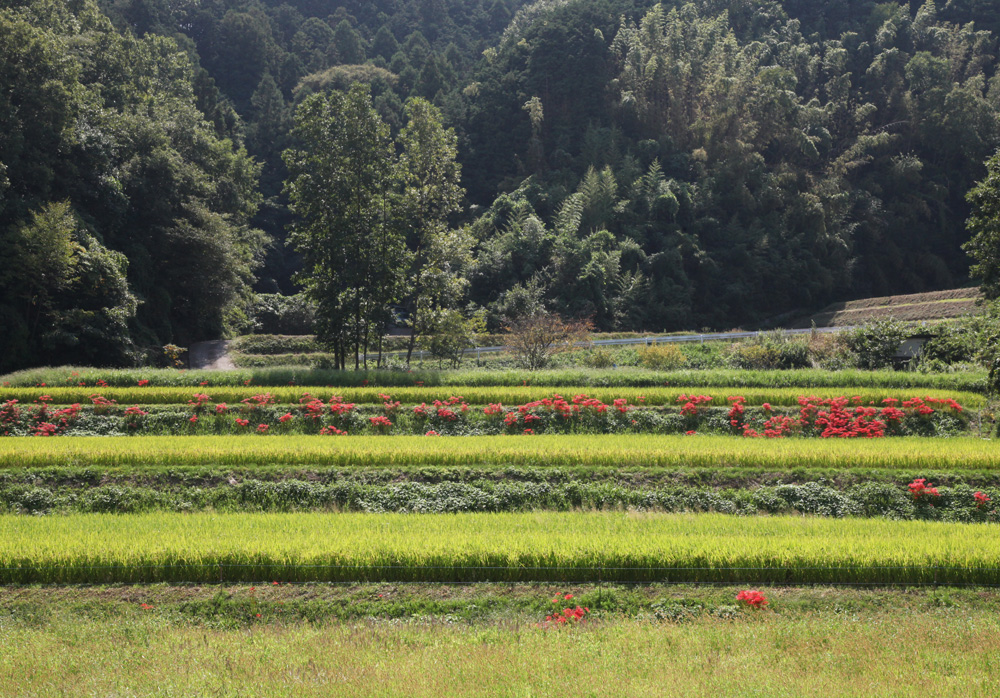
point(650, 166)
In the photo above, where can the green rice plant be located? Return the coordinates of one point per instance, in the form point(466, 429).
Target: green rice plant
point(972, 381)
point(614, 450)
point(474, 395)
point(549, 546)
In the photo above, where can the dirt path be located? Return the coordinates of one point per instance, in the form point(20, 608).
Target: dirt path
point(213, 356)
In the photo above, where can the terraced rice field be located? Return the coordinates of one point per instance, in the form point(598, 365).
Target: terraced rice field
point(914, 307)
point(569, 547)
point(907, 454)
point(523, 489)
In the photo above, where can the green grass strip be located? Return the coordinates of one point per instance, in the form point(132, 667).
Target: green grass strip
point(806, 378)
point(510, 396)
point(570, 547)
point(619, 450)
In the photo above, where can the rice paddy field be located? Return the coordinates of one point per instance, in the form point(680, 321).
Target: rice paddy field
point(293, 532)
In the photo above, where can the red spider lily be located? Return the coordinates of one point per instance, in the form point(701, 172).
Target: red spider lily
point(243, 422)
point(221, 408)
point(259, 400)
point(338, 406)
point(432, 433)
point(136, 411)
point(529, 432)
point(380, 422)
point(920, 488)
point(262, 428)
point(568, 617)
point(285, 417)
point(752, 597)
point(46, 429)
point(981, 499)
point(194, 419)
point(736, 411)
point(143, 382)
point(332, 431)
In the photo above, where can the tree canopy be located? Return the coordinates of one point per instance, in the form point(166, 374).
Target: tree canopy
point(689, 163)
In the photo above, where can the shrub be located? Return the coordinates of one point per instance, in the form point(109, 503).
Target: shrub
point(876, 343)
point(271, 344)
point(598, 358)
point(661, 357)
point(533, 340)
point(273, 313)
point(773, 350)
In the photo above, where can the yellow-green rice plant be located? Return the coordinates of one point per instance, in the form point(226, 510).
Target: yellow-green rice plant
point(910, 454)
point(565, 547)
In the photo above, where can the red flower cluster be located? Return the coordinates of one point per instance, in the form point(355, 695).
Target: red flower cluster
point(46, 429)
point(691, 403)
point(243, 422)
point(736, 411)
point(199, 399)
point(920, 488)
point(332, 431)
point(558, 405)
point(143, 382)
point(101, 404)
point(838, 420)
point(568, 616)
point(752, 597)
point(380, 422)
point(338, 406)
point(388, 403)
point(774, 428)
point(259, 400)
point(981, 499)
point(443, 408)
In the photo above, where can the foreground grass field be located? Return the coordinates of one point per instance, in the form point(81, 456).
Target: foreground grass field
point(617, 450)
point(538, 546)
point(882, 655)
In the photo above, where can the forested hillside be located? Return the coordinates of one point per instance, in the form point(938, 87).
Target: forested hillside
point(649, 166)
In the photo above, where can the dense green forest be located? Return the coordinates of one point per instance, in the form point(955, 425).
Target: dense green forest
point(706, 163)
